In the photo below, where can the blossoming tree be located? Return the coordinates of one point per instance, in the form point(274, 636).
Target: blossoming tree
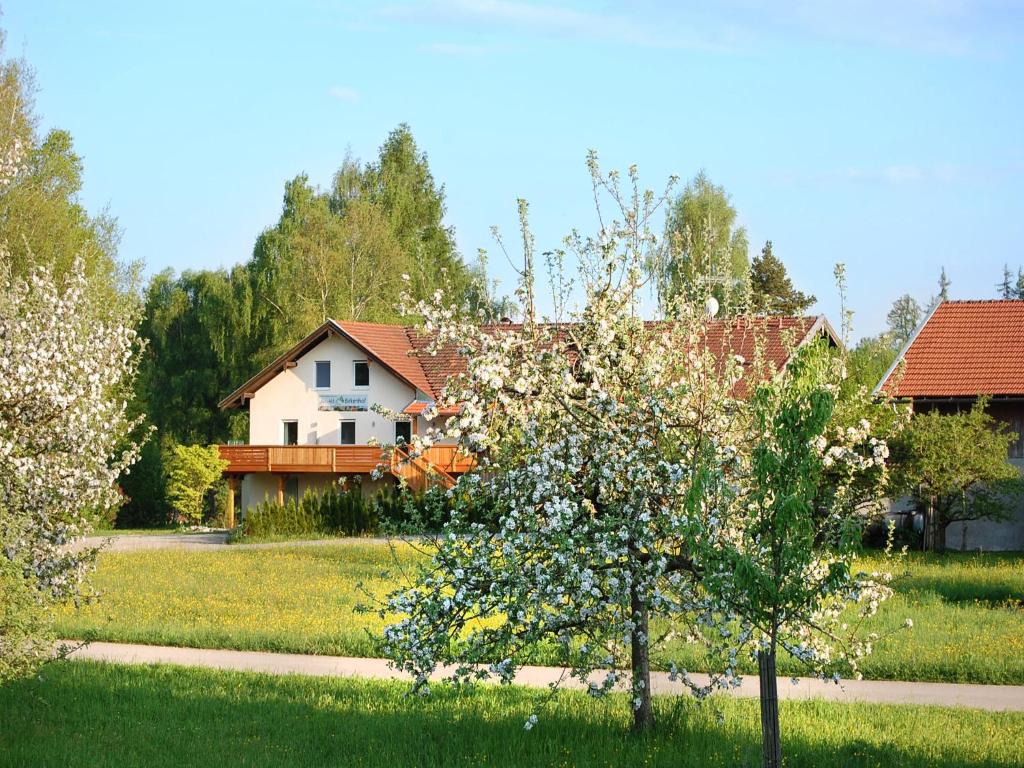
point(64, 372)
point(616, 454)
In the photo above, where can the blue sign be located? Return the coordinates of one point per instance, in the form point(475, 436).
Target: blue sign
point(343, 403)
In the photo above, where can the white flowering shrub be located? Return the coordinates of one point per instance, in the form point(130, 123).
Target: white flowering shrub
point(64, 375)
point(621, 464)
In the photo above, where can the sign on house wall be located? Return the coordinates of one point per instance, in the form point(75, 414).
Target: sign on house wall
point(343, 403)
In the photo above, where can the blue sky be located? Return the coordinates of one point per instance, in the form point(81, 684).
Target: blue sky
point(887, 135)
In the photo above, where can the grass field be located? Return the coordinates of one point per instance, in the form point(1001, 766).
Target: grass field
point(82, 714)
point(967, 610)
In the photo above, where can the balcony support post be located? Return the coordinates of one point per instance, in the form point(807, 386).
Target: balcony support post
point(229, 511)
point(280, 490)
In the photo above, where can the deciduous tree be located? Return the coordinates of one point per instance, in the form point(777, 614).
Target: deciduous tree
point(903, 319)
point(191, 472)
point(955, 466)
point(635, 497)
point(703, 250)
point(64, 439)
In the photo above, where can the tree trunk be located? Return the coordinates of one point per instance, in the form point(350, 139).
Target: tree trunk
point(643, 716)
point(928, 533)
point(771, 739)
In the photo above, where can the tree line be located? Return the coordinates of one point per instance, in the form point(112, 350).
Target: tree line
point(338, 252)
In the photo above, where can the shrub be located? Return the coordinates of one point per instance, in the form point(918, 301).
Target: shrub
point(342, 512)
point(191, 472)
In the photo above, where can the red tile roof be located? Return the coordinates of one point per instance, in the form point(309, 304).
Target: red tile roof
point(776, 335)
point(415, 408)
point(390, 345)
point(403, 350)
point(964, 349)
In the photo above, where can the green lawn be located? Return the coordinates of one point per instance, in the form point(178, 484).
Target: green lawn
point(83, 715)
point(967, 610)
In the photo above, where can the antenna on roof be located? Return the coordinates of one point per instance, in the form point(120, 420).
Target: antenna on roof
point(711, 306)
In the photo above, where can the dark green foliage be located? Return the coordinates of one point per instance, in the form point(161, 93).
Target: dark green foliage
point(955, 467)
point(944, 283)
point(1005, 286)
point(771, 290)
point(344, 512)
point(347, 512)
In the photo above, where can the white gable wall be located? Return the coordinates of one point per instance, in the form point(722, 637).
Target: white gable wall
point(292, 394)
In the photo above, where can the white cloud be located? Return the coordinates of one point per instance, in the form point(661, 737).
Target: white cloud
point(344, 93)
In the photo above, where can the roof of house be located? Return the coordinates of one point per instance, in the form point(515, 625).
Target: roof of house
point(403, 350)
point(962, 349)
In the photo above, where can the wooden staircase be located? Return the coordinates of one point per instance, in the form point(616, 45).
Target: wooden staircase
point(418, 472)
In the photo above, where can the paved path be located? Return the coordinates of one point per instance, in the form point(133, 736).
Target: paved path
point(991, 697)
point(205, 541)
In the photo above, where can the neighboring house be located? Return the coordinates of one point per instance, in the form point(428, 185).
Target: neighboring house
point(311, 411)
point(963, 350)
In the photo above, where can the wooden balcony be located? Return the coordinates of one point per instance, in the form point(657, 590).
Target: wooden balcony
point(335, 459)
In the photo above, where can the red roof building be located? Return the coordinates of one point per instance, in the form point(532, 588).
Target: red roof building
point(962, 351)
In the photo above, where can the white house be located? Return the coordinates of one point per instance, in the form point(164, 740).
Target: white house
point(311, 412)
point(311, 417)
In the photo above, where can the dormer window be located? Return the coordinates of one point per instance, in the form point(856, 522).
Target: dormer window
point(360, 373)
point(323, 374)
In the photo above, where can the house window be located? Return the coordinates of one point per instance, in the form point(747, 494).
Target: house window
point(290, 432)
point(1017, 446)
point(291, 489)
point(347, 428)
point(360, 373)
point(403, 432)
point(323, 374)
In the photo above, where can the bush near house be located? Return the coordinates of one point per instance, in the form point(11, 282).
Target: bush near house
point(192, 471)
point(339, 512)
point(342, 511)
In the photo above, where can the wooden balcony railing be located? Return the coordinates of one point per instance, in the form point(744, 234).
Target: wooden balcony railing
point(337, 459)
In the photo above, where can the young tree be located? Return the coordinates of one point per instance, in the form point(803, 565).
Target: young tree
point(703, 251)
point(786, 565)
point(771, 290)
point(1006, 286)
point(944, 284)
point(955, 467)
point(616, 457)
point(1019, 293)
point(903, 318)
point(63, 444)
point(599, 435)
point(191, 472)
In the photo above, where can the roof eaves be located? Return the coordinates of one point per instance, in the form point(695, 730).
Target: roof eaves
point(254, 382)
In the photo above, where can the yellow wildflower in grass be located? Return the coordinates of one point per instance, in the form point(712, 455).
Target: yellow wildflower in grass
point(968, 623)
